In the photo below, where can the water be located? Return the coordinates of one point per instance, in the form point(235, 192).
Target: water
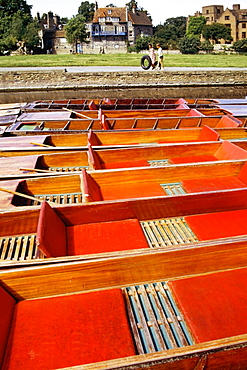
point(212, 92)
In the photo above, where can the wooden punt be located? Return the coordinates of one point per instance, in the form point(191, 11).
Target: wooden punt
point(143, 313)
point(121, 138)
point(48, 127)
point(164, 222)
point(111, 104)
point(126, 183)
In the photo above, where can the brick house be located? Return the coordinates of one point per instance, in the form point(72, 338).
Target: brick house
point(112, 29)
point(234, 18)
point(52, 35)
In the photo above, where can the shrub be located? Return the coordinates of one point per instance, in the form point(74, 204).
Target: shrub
point(189, 45)
point(240, 46)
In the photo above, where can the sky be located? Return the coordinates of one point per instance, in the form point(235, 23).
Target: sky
point(159, 10)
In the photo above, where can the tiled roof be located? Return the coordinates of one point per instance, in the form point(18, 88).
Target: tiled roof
point(139, 18)
point(115, 12)
point(136, 18)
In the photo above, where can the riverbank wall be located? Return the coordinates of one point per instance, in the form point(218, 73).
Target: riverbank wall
point(62, 79)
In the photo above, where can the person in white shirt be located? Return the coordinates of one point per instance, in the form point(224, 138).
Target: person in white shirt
point(160, 57)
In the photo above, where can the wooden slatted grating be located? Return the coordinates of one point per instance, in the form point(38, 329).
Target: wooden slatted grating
point(167, 232)
point(173, 188)
point(156, 321)
point(67, 169)
point(70, 198)
point(19, 248)
point(158, 162)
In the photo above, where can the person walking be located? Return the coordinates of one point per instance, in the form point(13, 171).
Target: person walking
point(160, 57)
point(152, 55)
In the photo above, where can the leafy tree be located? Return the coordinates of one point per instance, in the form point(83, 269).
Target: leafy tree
point(130, 5)
point(111, 6)
point(217, 31)
point(195, 26)
point(10, 7)
point(171, 32)
point(240, 46)
point(16, 25)
point(75, 29)
point(190, 45)
point(142, 43)
point(87, 10)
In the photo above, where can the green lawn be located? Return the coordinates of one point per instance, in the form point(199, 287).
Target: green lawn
point(170, 60)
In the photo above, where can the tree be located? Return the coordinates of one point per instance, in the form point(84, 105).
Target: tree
point(190, 45)
point(111, 6)
point(195, 26)
point(75, 29)
point(11, 7)
point(217, 31)
point(142, 43)
point(16, 25)
point(240, 46)
point(87, 10)
point(171, 32)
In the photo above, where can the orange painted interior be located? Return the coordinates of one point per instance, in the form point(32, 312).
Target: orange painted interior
point(214, 305)
point(67, 331)
point(105, 237)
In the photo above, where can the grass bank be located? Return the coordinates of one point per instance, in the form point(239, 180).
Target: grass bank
point(171, 60)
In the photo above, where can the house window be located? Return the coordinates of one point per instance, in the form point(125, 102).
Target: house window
point(227, 17)
point(228, 25)
point(109, 11)
point(207, 11)
point(207, 18)
point(123, 29)
point(108, 19)
point(101, 19)
point(243, 35)
point(243, 25)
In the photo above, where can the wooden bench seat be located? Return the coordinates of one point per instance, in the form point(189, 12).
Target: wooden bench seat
point(212, 184)
point(55, 239)
point(213, 305)
point(218, 225)
point(64, 331)
point(105, 237)
point(226, 151)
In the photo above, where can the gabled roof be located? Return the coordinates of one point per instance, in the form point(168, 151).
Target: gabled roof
point(140, 18)
point(115, 12)
point(137, 18)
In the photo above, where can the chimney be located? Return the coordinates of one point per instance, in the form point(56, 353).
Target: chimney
point(96, 5)
point(38, 17)
point(134, 9)
point(50, 22)
point(236, 7)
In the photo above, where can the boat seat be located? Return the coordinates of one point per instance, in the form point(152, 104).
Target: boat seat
point(92, 105)
point(228, 121)
point(194, 113)
point(226, 151)
point(206, 134)
point(132, 190)
point(182, 106)
point(96, 162)
point(213, 305)
point(74, 330)
point(212, 184)
point(93, 139)
point(91, 190)
point(105, 237)
point(219, 224)
point(55, 239)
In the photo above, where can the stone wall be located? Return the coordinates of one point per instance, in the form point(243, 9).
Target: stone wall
point(59, 79)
